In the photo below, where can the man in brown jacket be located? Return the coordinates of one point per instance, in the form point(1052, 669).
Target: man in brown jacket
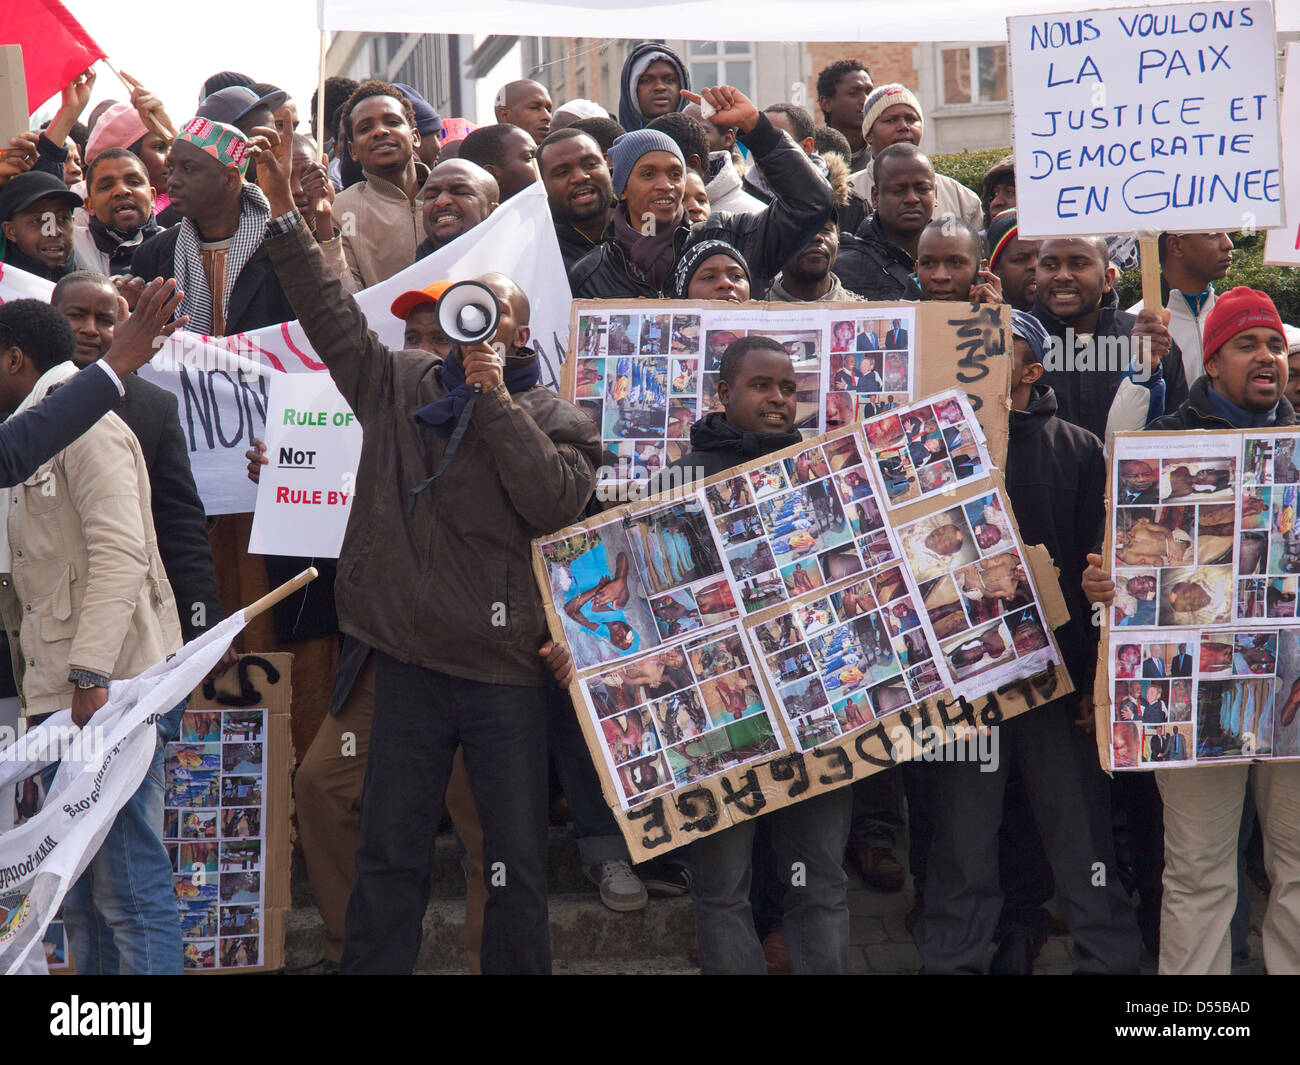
point(452, 487)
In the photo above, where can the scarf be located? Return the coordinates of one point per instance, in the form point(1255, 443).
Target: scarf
point(119, 245)
point(254, 213)
point(449, 417)
point(650, 256)
point(1239, 417)
point(55, 375)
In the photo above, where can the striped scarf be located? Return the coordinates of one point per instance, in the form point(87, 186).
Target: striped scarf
point(255, 212)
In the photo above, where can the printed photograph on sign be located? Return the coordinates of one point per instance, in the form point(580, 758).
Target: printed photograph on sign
point(870, 368)
point(685, 712)
point(923, 450)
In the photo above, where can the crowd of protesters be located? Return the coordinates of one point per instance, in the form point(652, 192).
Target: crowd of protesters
point(411, 699)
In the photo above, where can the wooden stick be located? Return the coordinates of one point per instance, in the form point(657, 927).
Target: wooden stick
point(1149, 253)
point(149, 118)
point(283, 592)
point(321, 135)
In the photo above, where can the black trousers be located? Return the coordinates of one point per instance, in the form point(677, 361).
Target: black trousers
point(963, 894)
point(420, 718)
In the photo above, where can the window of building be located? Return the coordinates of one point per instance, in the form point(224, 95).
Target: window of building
point(731, 63)
point(974, 74)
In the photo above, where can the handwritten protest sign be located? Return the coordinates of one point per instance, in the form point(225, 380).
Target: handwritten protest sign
point(1201, 649)
point(304, 496)
point(1142, 118)
point(1282, 246)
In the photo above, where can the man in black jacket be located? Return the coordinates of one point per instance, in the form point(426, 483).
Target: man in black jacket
point(1095, 345)
point(579, 190)
point(649, 230)
point(877, 261)
point(92, 306)
point(219, 237)
point(1242, 388)
point(36, 217)
point(1056, 482)
point(757, 391)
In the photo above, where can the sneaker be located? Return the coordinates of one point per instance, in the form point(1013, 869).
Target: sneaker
point(667, 879)
point(880, 869)
point(620, 889)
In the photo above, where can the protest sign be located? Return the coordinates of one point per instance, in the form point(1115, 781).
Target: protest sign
point(773, 632)
point(1201, 649)
point(313, 443)
point(1146, 119)
point(1282, 246)
point(226, 818)
point(645, 372)
point(222, 385)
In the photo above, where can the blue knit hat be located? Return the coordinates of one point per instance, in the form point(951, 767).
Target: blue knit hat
point(628, 148)
point(1031, 331)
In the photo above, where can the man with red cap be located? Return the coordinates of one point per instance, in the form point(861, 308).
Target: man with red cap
point(1242, 388)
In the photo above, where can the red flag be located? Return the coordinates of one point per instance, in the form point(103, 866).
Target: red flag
point(55, 47)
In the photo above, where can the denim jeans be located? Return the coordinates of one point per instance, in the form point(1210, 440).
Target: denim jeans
point(812, 833)
point(594, 828)
point(420, 718)
point(121, 914)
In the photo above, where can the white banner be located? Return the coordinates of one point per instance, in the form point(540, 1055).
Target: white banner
point(222, 386)
point(304, 497)
point(100, 769)
point(1282, 246)
point(705, 20)
point(1156, 119)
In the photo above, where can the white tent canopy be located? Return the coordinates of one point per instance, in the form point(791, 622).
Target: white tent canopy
point(720, 20)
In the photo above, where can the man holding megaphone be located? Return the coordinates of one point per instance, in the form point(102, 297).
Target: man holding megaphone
point(463, 461)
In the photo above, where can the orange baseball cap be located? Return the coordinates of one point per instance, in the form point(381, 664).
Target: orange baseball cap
point(408, 301)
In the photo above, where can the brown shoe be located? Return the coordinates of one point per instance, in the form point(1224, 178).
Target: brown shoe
point(774, 952)
point(880, 869)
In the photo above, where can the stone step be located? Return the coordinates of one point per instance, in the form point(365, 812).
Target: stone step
point(584, 933)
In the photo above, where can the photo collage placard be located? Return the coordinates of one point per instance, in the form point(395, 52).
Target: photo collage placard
point(214, 829)
point(690, 710)
point(1205, 559)
point(645, 377)
point(927, 449)
point(790, 569)
point(870, 369)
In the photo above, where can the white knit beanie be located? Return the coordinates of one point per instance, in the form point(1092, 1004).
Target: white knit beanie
point(884, 97)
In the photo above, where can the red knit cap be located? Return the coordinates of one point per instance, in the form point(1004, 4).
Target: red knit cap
point(1234, 312)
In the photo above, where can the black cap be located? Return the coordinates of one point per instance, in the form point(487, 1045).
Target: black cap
point(231, 104)
point(25, 189)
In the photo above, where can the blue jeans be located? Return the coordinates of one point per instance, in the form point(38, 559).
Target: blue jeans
point(812, 833)
point(121, 914)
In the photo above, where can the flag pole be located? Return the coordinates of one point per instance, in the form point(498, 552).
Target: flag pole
point(321, 135)
point(283, 592)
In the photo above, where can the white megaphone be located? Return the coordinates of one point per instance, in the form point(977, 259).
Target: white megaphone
point(468, 312)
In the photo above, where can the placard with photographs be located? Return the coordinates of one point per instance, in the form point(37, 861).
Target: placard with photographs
point(846, 659)
point(978, 594)
point(1174, 532)
point(800, 522)
point(870, 368)
point(1202, 656)
point(690, 710)
point(1204, 696)
point(645, 375)
point(926, 449)
point(214, 810)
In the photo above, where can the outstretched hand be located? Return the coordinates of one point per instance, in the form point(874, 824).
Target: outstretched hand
point(136, 339)
point(273, 169)
point(731, 107)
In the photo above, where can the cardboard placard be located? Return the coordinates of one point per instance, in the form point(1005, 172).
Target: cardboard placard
point(1200, 653)
point(1155, 119)
point(763, 637)
point(645, 370)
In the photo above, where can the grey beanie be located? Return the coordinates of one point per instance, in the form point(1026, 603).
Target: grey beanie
point(628, 148)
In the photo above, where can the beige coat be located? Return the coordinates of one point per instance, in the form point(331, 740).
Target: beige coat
point(88, 590)
point(380, 227)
